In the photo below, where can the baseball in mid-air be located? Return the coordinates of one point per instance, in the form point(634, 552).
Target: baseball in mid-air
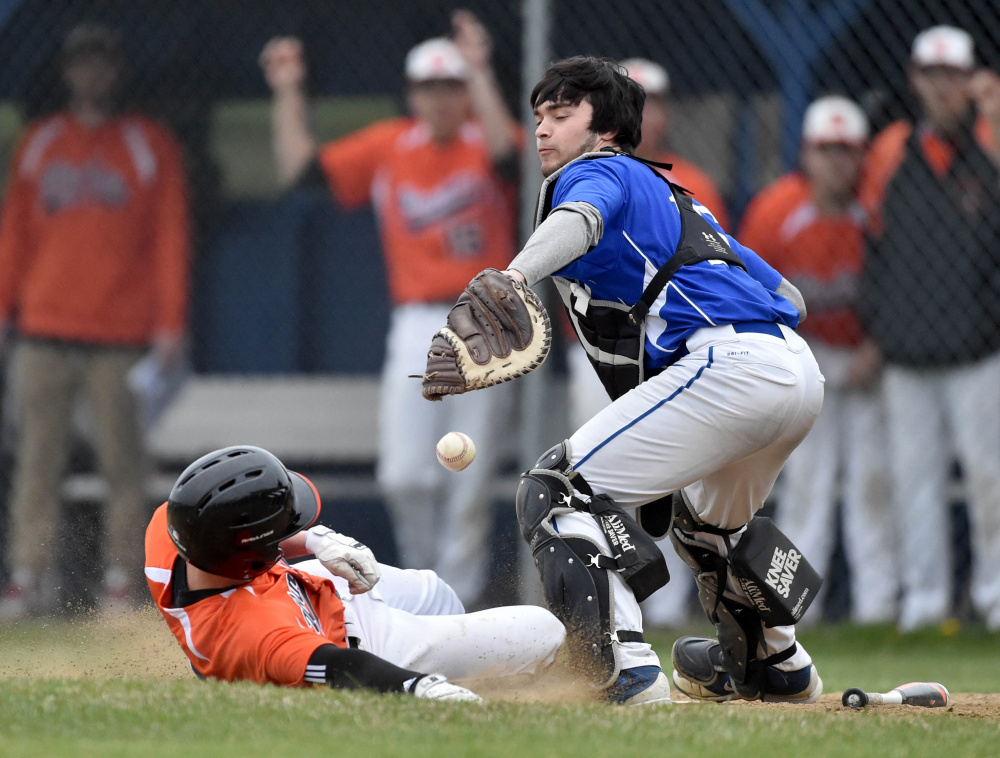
point(455, 451)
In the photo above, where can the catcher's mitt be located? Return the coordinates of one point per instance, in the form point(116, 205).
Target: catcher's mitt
point(497, 331)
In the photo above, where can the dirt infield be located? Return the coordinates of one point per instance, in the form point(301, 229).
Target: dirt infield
point(127, 645)
point(139, 645)
point(963, 705)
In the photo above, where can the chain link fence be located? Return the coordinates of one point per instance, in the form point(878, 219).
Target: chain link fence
point(287, 284)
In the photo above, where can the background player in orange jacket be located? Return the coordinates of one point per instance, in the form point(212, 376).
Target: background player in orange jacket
point(215, 567)
point(810, 225)
point(439, 182)
point(94, 256)
point(931, 302)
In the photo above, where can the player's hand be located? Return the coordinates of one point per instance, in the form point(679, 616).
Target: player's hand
point(471, 39)
point(865, 366)
point(984, 89)
point(516, 275)
point(437, 687)
point(345, 557)
point(284, 64)
point(169, 346)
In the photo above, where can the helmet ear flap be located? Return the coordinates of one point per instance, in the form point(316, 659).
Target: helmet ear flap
point(230, 510)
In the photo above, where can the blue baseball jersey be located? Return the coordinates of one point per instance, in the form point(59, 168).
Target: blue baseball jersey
point(642, 228)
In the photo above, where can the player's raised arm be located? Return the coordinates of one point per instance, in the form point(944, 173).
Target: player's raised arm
point(984, 89)
point(284, 67)
point(474, 43)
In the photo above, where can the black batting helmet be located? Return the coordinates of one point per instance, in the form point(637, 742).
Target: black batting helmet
point(229, 510)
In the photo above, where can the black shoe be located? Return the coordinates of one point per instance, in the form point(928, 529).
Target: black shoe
point(698, 673)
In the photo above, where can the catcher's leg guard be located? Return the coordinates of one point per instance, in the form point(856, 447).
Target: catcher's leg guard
point(738, 623)
point(576, 570)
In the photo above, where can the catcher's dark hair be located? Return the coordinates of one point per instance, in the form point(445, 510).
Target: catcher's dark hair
point(617, 100)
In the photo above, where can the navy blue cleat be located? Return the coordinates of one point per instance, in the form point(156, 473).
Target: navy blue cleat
point(698, 673)
point(643, 685)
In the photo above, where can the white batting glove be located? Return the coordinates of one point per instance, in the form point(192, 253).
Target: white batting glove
point(345, 557)
point(437, 687)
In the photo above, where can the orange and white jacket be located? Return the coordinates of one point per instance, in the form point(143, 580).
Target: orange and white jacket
point(94, 232)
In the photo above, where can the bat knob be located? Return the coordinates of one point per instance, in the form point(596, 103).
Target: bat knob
point(855, 697)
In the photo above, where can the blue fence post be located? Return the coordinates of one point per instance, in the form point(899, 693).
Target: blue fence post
point(791, 39)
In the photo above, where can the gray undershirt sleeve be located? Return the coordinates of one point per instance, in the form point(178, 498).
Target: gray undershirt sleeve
point(791, 293)
point(569, 232)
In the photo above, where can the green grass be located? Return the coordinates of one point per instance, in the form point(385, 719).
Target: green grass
point(111, 706)
point(879, 658)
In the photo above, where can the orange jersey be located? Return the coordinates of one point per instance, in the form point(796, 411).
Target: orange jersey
point(783, 226)
point(94, 232)
point(264, 631)
point(443, 212)
point(698, 183)
point(887, 152)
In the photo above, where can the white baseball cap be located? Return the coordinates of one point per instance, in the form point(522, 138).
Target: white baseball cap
point(652, 76)
point(944, 46)
point(436, 58)
point(834, 119)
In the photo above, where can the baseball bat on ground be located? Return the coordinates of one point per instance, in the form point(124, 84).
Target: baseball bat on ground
point(922, 694)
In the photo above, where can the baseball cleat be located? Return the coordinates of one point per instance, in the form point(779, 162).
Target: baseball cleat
point(698, 673)
point(643, 685)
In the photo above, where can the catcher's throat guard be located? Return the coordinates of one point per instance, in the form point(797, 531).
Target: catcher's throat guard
point(497, 331)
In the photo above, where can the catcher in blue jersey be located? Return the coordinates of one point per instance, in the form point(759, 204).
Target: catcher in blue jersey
point(693, 336)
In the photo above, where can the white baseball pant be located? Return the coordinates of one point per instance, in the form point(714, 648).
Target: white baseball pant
point(935, 414)
point(668, 606)
point(415, 620)
point(718, 424)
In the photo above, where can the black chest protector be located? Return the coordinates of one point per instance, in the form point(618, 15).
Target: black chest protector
point(613, 334)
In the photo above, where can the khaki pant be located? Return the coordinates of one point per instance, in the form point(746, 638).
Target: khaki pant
point(48, 376)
